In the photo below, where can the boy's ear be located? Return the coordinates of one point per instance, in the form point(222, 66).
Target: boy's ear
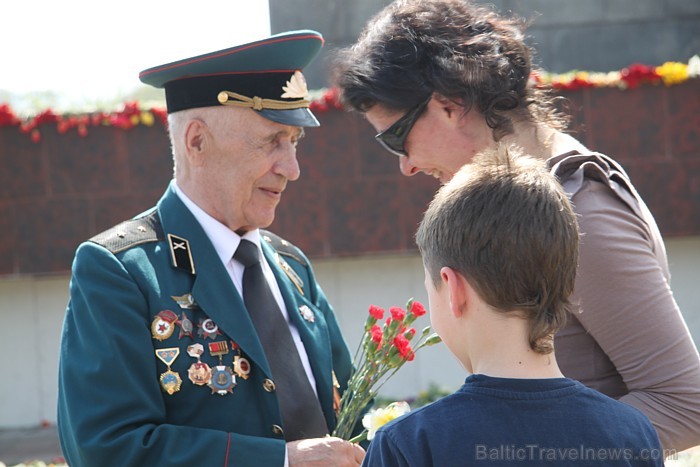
point(457, 289)
point(196, 140)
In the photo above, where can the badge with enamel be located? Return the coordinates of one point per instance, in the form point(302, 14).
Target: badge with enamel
point(208, 329)
point(222, 378)
point(241, 365)
point(170, 380)
point(199, 372)
point(163, 325)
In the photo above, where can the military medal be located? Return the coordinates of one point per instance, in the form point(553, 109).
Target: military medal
point(199, 373)
point(185, 301)
point(170, 381)
point(208, 328)
point(222, 378)
point(163, 325)
point(218, 349)
point(307, 314)
point(241, 365)
point(186, 326)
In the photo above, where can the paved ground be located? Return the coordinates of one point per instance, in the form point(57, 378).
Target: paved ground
point(41, 444)
point(30, 444)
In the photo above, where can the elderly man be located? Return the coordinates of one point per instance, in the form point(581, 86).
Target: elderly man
point(191, 336)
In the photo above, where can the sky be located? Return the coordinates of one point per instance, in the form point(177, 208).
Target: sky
point(91, 51)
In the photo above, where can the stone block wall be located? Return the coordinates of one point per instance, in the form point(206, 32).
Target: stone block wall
point(351, 199)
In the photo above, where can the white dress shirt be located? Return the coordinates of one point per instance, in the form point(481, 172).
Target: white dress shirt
point(225, 243)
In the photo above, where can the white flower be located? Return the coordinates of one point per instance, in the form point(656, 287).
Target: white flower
point(296, 87)
point(694, 66)
point(375, 419)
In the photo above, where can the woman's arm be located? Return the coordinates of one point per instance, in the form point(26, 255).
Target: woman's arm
point(627, 306)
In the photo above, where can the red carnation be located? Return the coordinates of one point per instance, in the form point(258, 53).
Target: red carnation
point(376, 333)
point(636, 74)
point(398, 314)
point(7, 116)
point(376, 312)
point(417, 309)
point(402, 345)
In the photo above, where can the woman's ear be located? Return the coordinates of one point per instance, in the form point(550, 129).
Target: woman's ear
point(197, 139)
point(457, 289)
point(445, 107)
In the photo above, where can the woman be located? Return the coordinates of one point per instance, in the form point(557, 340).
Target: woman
point(440, 81)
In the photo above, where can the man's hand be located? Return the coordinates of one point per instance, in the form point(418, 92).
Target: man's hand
point(323, 452)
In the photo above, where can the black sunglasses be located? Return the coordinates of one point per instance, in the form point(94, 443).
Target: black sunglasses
point(394, 138)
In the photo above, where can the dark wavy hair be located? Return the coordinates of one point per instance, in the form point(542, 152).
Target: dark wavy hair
point(463, 51)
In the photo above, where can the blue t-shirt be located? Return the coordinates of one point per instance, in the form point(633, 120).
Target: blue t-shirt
point(520, 422)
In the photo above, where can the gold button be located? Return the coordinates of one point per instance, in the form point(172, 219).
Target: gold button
point(276, 429)
point(268, 385)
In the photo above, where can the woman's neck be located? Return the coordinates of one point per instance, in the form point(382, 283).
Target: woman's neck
point(542, 141)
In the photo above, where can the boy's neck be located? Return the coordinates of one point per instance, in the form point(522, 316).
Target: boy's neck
point(520, 365)
point(499, 346)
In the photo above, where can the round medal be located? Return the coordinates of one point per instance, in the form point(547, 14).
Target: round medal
point(199, 373)
point(170, 381)
point(222, 380)
point(241, 366)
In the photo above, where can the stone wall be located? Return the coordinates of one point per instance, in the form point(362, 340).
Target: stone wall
point(350, 200)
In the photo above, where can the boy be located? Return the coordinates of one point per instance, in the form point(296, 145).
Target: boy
point(499, 245)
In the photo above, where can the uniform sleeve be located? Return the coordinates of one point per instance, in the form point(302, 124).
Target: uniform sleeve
point(629, 309)
point(110, 404)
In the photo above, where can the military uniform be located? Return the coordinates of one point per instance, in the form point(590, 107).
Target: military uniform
point(155, 283)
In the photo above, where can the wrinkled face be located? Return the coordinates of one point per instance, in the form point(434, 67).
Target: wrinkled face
point(441, 140)
point(246, 167)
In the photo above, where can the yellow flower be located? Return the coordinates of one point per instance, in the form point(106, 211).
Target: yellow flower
point(147, 118)
point(673, 72)
point(377, 418)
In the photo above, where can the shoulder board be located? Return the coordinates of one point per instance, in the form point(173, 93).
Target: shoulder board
point(282, 246)
point(131, 233)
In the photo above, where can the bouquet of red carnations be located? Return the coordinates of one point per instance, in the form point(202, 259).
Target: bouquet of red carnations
point(382, 351)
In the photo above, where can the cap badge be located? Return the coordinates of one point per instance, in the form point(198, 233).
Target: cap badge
point(296, 87)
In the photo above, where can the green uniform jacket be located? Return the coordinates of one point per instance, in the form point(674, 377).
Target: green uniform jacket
point(112, 409)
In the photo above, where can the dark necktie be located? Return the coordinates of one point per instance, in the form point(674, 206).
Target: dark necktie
point(302, 416)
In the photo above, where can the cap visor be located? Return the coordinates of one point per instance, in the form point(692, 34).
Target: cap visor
point(293, 117)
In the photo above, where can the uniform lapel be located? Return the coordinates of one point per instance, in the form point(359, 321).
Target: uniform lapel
point(313, 334)
point(212, 288)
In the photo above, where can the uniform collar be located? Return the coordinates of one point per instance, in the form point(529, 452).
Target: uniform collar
point(224, 240)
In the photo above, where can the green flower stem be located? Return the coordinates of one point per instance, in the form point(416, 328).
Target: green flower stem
point(374, 366)
point(359, 438)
